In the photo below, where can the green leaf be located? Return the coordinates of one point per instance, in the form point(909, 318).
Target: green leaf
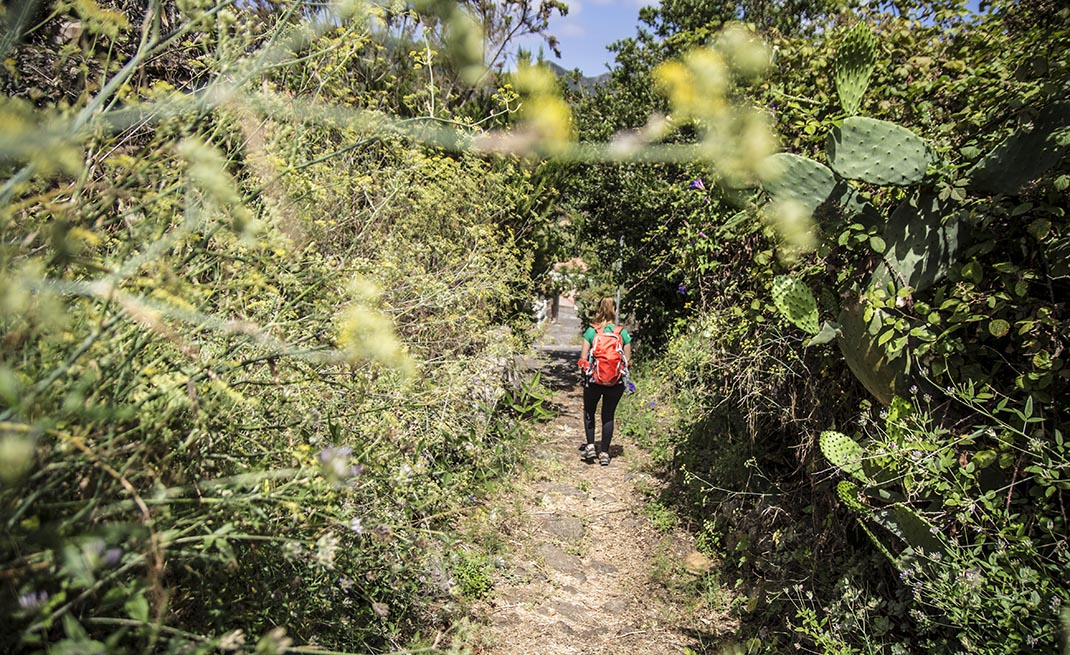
point(972, 272)
point(1040, 228)
point(984, 459)
point(137, 608)
point(999, 328)
point(828, 332)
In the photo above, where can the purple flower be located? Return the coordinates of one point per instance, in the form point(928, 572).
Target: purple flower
point(652, 403)
point(336, 464)
point(697, 184)
point(682, 289)
point(357, 526)
point(330, 454)
point(33, 600)
point(702, 234)
point(631, 386)
point(113, 556)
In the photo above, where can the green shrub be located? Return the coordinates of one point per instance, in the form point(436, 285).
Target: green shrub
point(253, 352)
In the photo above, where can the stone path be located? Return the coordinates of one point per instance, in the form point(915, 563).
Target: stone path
point(578, 574)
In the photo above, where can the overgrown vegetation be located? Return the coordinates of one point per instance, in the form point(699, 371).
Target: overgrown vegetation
point(891, 285)
point(265, 268)
point(258, 339)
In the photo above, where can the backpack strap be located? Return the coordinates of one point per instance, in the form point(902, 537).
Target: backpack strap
point(617, 329)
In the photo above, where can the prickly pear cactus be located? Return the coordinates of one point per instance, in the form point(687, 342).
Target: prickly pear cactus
point(877, 152)
point(796, 302)
point(878, 373)
point(851, 496)
point(799, 178)
point(1023, 156)
point(855, 206)
point(922, 240)
point(905, 523)
point(856, 58)
point(844, 453)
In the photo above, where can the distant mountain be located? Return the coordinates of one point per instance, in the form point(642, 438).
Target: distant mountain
point(587, 83)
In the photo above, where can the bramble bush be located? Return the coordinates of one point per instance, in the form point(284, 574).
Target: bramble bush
point(910, 315)
point(255, 345)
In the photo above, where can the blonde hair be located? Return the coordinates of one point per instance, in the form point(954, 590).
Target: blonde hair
point(607, 313)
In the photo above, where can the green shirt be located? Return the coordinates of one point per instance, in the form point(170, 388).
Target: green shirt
point(624, 336)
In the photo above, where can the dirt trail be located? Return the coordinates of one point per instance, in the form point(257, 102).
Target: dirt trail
point(579, 573)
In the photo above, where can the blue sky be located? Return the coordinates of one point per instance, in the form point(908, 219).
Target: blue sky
point(590, 26)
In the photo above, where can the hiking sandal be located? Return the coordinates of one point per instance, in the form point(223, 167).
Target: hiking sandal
point(588, 452)
point(603, 458)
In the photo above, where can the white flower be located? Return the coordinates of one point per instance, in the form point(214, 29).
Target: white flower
point(326, 549)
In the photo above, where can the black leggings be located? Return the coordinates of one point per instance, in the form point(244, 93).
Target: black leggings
point(610, 397)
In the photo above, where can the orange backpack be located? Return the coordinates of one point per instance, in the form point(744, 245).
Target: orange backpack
point(607, 357)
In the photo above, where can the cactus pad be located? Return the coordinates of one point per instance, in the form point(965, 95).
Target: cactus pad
point(1023, 156)
point(857, 208)
point(880, 375)
point(796, 302)
point(850, 495)
point(844, 453)
point(877, 152)
point(798, 178)
point(856, 57)
point(905, 523)
point(922, 239)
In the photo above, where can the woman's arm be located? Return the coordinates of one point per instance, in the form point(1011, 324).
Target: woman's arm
point(627, 353)
point(586, 349)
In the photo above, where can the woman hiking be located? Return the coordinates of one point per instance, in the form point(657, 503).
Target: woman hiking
point(606, 352)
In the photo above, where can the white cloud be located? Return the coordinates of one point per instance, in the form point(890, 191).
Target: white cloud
point(571, 29)
point(572, 25)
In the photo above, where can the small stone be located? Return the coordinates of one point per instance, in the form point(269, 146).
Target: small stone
point(562, 562)
point(697, 564)
point(603, 567)
point(567, 528)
